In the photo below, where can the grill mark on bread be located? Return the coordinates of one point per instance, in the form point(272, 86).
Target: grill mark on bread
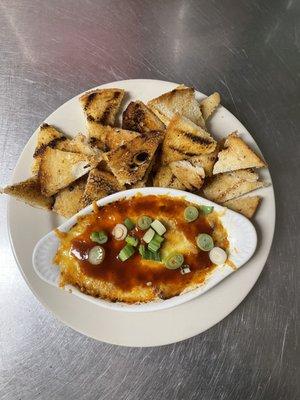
point(40, 150)
point(104, 117)
point(137, 115)
point(116, 95)
point(44, 126)
point(89, 100)
point(185, 153)
point(197, 139)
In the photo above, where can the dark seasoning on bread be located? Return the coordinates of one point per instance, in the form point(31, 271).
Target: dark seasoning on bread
point(163, 143)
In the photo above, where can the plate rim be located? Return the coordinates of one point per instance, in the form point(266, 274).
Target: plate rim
point(119, 342)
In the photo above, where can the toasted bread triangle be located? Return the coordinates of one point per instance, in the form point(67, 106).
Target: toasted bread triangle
point(244, 205)
point(29, 192)
point(165, 178)
point(207, 161)
point(190, 175)
point(59, 169)
point(181, 100)
point(147, 178)
point(116, 137)
point(48, 136)
point(229, 185)
point(78, 144)
point(102, 105)
point(236, 155)
point(139, 118)
point(130, 161)
point(99, 184)
point(184, 139)
point(68, 201)
point(209, 105)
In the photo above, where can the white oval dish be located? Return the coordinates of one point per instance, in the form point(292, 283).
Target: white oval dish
point(241, 234)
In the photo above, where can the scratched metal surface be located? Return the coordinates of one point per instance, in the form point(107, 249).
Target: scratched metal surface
point(247, 50)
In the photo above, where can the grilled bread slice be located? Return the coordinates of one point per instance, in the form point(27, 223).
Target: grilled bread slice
point(59, 169)
point(207, 161)
point(209, 105)
point(96, 134)
point(29, 192)
point(184, 139)
point(68, 200)
point(236, 155)
point(79, 144)
point(165, 178)
point(190, 175)
point(139, 118)
point(116, 137)
point(244, 205)
point(229, 185)
point(48, 136)
point(181, 100)
point(101, 107)
point(99, 184)
point(130, 161)
point(147, 179)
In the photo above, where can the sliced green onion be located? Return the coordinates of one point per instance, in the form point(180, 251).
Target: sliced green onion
point(142, 250)
point(144, 222)
point(99, 237)
point(148, 235)
point(158, 227)
point(155, 243)
point(96, 255)
point(149, 255)
point(191, 213)
point(126, 252)
point(207, 209)
point(133, 241)
point(204, 242)
point(174, 261)
point(129, 224)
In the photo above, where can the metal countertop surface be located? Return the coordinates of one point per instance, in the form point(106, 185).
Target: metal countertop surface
point(249, 52)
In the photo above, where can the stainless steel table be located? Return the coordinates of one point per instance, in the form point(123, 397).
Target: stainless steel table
point(247, 50)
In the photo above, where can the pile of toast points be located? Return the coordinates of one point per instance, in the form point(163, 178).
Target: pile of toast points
point(165, 143)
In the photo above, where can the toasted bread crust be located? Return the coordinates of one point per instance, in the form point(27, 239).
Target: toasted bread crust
point(209, 105)
point(99, 184)
point(116, 137)
point(48, 136)
point(244, 205)
point(130, 161)
point(207, 161)
point(165, 178)
point(102, 105)
point(190, 175)
point(184, 139)
point(229, 185)
point(236, 155)
point(139, 118)
point(181, 100)
point(78, 144)
point(29, 192)
point(59, 169)
point(68, 201)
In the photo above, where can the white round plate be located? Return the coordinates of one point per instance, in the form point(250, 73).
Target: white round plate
point(27, 225)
